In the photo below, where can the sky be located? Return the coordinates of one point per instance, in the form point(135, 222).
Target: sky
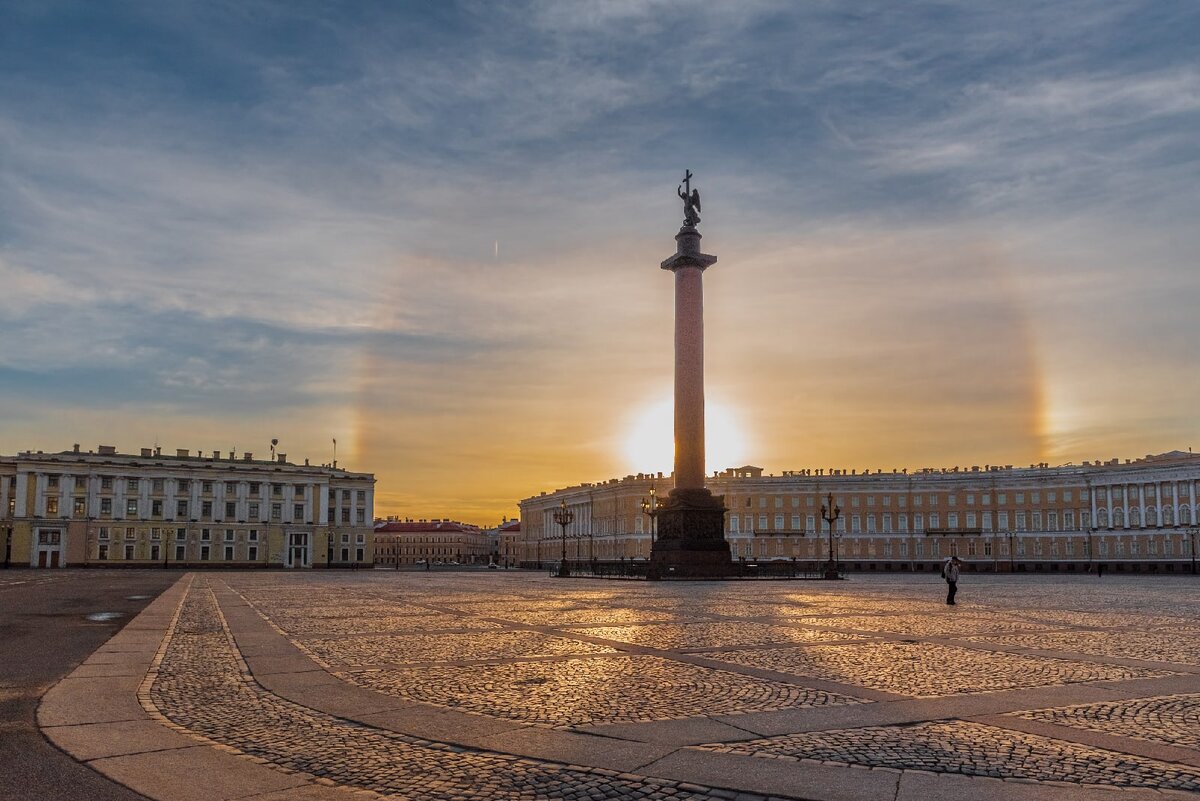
point(948, 233)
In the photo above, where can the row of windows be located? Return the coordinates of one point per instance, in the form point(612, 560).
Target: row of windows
point(182, 508)
point(106, 533)
point(1105, 546)
point(206, 487)
point(985, 498)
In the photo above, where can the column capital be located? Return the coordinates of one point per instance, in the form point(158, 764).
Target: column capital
point(688, 251)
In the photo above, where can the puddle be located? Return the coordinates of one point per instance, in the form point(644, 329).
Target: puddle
point(136, 597)
point(104, 617)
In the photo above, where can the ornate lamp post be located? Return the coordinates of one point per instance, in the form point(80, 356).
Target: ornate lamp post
point(650, 509)
point(1090, 532)
point(830, 514)
point(564, 516)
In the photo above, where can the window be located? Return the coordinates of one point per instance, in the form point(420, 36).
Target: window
point(762, 523)
point(1035, 497)
point(951, 519)
point(231, 488)
point(795, 522)
point(345, 514)
point(157, 485)
point(298, 511)
point(102, 552)
point(855, 524)
point(206, 487)
point(52, 482)
point(362, 516)
point(252, 553)
point(156, 508)
point(106, 506)
point(970, 499)
point(952, 500)
point(277, 490)
point(131, 484)
point(254, 485)
point(129, 551)
point(205, 534)
point(360, 539)
point(778, 522)
point(916, 501)
point(205, 551)
point(229, 535)
point(1067, 495)
point(252, 535)
point(254, 511)
point(1050, 497)
point(362, 496)
point(870, 522)
point(346, 554)
point(734, 526)
point(52, 506)
point(1002, 520)
point(918, 521)
point(154, 552)
point(933, 500)
point(105, 482)
point(230, 510)
point(103, 532)
point(80, 482)
point(1021, 521)
point(276, 511)
point(131, 507)
point(80, 507)
point(180, 552)
point(206, 509)
point(358, 554)
point(346, 538)
point(1020, 497)
point(181, 533)
point(228, 553)
point(156, 533)
point(300, 489)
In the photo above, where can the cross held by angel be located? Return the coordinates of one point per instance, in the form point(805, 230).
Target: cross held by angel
point(691, 200)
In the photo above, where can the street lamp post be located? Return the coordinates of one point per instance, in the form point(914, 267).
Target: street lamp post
point(650, 509)
point(1090, 532)
point(830, 513)
point(1012, 551)
point(563, 516)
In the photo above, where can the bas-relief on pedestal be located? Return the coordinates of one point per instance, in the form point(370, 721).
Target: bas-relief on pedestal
point(691, 521)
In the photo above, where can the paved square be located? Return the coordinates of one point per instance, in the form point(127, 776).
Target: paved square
point(504, 685)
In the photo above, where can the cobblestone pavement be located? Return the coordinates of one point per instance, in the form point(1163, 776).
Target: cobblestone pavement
point(706, 635)
point(464, 642)
point(446, 647)
point(203, 688)
point(973, 749)
point(587, 691)
point(925, 626)
point(927, 669)
point(1168, 719)
point(1155, 646)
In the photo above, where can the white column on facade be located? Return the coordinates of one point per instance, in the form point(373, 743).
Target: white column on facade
point(1108, 493)
point(1192, 501)
point(1158, 497)
point(1175, 502)
point(1142, 503)
point(1092, 493)
point(1125, 502)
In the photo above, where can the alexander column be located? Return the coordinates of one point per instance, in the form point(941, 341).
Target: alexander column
point(691, 521)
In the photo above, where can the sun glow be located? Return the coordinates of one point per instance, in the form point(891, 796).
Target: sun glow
point(650, 444)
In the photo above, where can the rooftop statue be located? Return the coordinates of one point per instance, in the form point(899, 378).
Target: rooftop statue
point(691, 200)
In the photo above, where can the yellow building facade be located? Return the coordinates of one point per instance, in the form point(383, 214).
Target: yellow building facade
point(107, 509)
point(1137, 515)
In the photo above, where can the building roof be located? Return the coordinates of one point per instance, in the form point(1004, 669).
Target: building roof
point(424, 526)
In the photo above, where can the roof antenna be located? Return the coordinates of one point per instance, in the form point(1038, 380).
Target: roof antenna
point(274, 442)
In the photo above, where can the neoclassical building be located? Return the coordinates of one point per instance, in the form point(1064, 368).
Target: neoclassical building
point(1128, 515)
point(418, 542)
point(104, 508)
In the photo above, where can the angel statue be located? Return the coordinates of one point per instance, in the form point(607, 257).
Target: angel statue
point(691, 200)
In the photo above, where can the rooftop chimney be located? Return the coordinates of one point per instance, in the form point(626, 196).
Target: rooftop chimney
point(248, 456)
point(106, 450)
point(282, 457)
point(147, 452)
point(181, 453)
point(75, 447)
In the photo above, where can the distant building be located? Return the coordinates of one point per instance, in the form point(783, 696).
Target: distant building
point(1131, 515)
point(508, 543)
point(411, 542)
point(110, 509)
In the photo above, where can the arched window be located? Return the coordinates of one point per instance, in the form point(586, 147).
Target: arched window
point(1118, 518)
point(1135, 517)
point(1168, 516)
point(1185, 516)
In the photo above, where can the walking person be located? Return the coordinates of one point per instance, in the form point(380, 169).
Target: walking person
point(950, 573)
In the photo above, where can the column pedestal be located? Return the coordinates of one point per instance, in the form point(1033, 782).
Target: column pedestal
point(691, 537)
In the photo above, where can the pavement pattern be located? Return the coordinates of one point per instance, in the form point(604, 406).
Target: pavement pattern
point(515, 685)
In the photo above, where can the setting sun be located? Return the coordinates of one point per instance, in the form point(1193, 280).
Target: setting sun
point(650, 444)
